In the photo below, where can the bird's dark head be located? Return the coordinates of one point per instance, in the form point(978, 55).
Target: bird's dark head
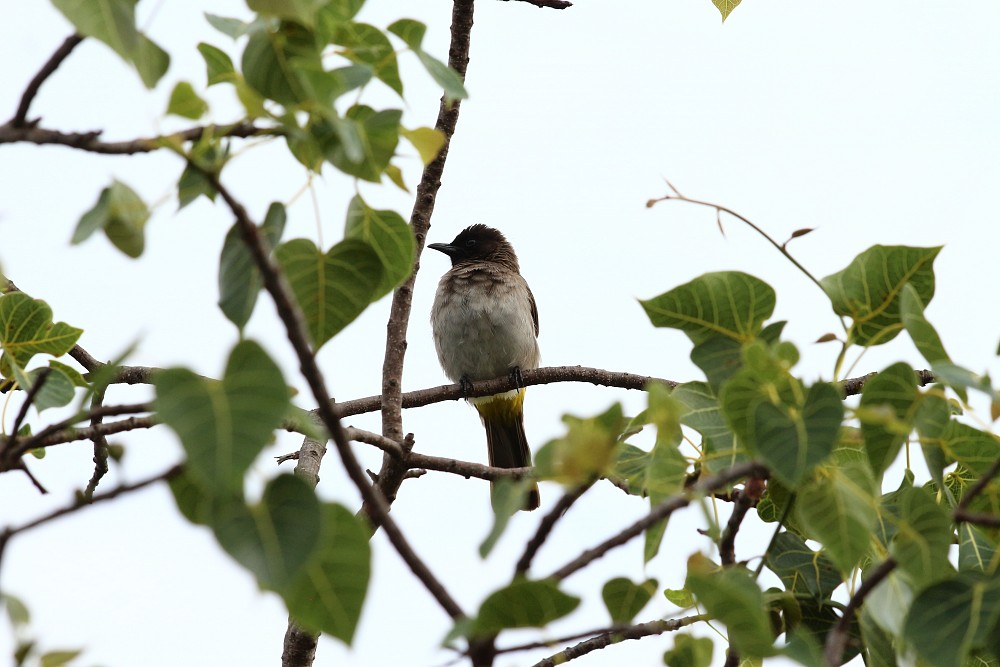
point(478, 243)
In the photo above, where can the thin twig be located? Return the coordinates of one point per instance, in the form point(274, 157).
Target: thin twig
point(988, 520)
point(836, 640)
point(614, 636)
point(10, 451)
point(658, 513)
point(10, 532)
point(51, 65)
point(546, 526)
point(727, 542)
point(91, 142)
point(100, 445)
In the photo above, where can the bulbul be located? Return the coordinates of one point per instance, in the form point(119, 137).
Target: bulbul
point(485, 326)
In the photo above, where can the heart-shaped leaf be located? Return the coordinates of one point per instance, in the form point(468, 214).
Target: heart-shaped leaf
point(329, 593)
point(275, 538)
point(224, 425)
point(388, 235)
point(27, 329)
point(333, 288)
point(625, 599)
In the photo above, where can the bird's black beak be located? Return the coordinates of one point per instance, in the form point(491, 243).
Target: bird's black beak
point(446, 248)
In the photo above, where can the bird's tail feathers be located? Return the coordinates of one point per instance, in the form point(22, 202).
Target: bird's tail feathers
point(503, 418)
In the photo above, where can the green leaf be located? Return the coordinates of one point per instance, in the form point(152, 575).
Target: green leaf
point(275, 538)
point(230, 27)
point(680, 597)
point(974, 449)
point(720, 451)
point(689, 651)
point(272, 60)
point(931, 421)
point(185, 102)
point(27, 329)
point(877, 642)
point(426, 140)
point(303, 11)
point(412, 33)
point(224, 425)
point(522, 604)
point(329, 593)
point(624, 599)
point(113, 22)
point(110, 21)
point(150, 61)
point(366, 44)
point(588, 449)
point(719, 357)
point(869, 290)
point(56, 391)
point(58, 658)
point(340, 10)
point(389, 236)
point(239, 278)
point(952, 617)
point(507, 497)
point(802, 570)
point(730, 304)
point(976, 551)
point(792, 440)
point(332, 288)
point(924, 336)
point(630, 467)
point(122, 214)
point(923, 537)
point(889, 402)
point(17, 611)
point(725, 7)
point(192, 184)
point(218, 65)
point(731, 596)
point(837, 508)
point(378, 134)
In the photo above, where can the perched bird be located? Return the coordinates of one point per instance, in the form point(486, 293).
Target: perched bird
point(485, 326)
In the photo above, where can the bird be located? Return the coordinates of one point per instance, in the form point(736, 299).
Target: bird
point(485, 325)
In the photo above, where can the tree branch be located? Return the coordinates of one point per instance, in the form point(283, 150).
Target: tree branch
point(658, 513)
point(51, 65)
point(91, 142)
point(742, 502)
point(616, 635)
point(10, 532)
point(546, 526)
point(391, 473)
point(295, 329)
point(978, 487)
point(551, 4)
point(535, 376)
point(836, 640)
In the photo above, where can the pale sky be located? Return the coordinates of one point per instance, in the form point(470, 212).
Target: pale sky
point(873, 122)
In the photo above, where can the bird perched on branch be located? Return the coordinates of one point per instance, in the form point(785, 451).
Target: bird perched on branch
point(486, 326)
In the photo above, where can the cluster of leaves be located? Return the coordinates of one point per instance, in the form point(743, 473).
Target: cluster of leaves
point(26, 650)
point(827, 467)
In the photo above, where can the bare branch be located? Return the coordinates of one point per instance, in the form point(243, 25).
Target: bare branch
point(91, 142)
point(551, 4)
point(546, 526)
point(391, 473)
point(988, 520)
point(836, 640)
point(10, 532)
point(658, 513)
point(535, 376)
point(616, 635)
point(100, 446)
point(51, 65)
point(742, 502)
point(978, 487)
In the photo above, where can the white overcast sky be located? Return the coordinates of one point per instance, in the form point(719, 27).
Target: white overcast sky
point(873, 122)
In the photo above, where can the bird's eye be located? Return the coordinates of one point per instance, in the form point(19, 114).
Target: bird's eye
point(471, 243)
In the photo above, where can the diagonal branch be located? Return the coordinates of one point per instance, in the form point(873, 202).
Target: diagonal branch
point(546, 526)
point(295, 329)
point(836, 641)
point(616, 635)
point(48, 69)
point(390, 476)
point(658, 513)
